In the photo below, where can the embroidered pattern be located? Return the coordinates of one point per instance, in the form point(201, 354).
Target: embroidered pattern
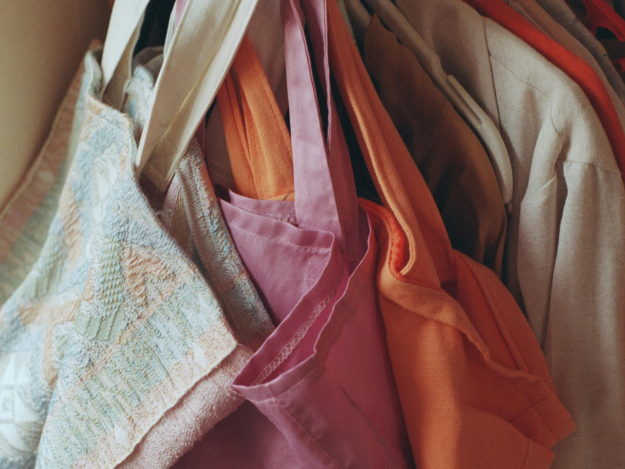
point(113, 323)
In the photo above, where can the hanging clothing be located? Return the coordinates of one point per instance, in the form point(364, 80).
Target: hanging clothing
point(578, 70)
point(520, 8)
point(447, 152)
point(565, 242)
point(259, 147)
point(331, 396)
point(464, 357)
point(560, 11)
point(115, 326)
point(294, 378)
point(243, 308)
point(541, 20)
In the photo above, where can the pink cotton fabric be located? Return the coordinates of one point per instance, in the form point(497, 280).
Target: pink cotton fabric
point(320, 389)
point(324, 376)
point(246, 439)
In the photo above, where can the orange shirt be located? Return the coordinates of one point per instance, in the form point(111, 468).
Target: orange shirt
point(474, 385)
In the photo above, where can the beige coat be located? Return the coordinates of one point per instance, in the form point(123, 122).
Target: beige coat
point(534, 13)
point(566, 244)
point(561, 12)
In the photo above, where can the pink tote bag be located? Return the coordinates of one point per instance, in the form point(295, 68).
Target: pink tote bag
point(323, 378)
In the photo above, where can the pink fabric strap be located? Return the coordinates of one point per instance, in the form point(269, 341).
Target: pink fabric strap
point(340, 167)
point(316, 197)
point(178, 9)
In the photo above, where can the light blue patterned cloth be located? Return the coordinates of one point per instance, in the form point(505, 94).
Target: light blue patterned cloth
point(106, 323)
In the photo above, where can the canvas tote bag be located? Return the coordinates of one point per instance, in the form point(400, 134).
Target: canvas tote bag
point(85, 299)
point(474, 385)
point(323, 377)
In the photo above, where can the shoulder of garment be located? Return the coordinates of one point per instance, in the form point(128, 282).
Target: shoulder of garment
point(429, 329)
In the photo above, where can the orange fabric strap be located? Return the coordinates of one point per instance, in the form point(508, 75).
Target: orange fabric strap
point(259, 145)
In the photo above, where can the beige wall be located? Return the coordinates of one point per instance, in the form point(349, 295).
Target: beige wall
point(41, 45)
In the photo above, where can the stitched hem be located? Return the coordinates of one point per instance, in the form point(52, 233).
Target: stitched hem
point(200, 409)
point(546, 422)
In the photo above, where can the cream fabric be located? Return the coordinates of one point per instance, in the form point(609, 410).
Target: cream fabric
point(122, 35)
point(534, 13)
point(565, 245)
point(560, 12)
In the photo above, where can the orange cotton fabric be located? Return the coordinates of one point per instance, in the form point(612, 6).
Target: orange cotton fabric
point(261, 157)
point(474, 385)
point(450, 157)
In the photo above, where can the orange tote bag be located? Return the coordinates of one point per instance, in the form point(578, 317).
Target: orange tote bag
point(473, 383)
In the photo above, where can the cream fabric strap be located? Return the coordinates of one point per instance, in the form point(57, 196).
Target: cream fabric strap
point(121, 37)
point(200, 54)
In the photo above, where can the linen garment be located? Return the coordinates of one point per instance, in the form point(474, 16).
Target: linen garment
point(450, 157)
point(323, 377)
point(560, 11)
point(473, 382)
point(186, 213)
point(114, 326)
point(541, 20)
point(565, 245)
point(578, 70)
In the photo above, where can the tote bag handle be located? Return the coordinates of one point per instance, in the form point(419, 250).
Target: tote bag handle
point(258, 141)
point(340, 167)
point(317, 194)
point(202, 49)
point(121, 38)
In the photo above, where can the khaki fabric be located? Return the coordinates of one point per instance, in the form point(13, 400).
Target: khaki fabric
point(536, 15)
point(447, 152)
point(560, 11)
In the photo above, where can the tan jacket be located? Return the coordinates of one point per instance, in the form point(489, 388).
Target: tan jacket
point(565, 251)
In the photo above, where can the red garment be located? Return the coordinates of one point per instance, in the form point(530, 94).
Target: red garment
point(578, 70)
